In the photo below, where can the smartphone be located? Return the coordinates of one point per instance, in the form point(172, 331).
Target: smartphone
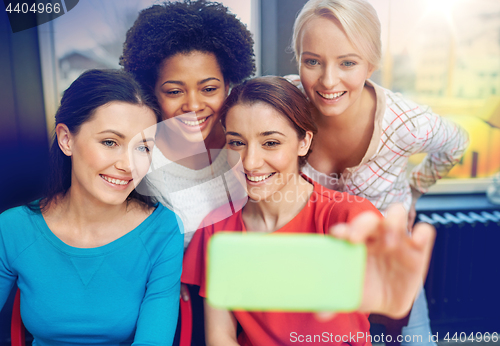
point(284, 272)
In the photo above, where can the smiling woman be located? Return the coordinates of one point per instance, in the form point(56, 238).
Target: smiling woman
point(367, 133)
point(188, 54)
point(95, 262)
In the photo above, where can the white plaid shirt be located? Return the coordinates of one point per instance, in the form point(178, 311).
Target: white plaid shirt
point(402, 128)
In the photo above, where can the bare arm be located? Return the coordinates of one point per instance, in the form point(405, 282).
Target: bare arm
point(220, 326)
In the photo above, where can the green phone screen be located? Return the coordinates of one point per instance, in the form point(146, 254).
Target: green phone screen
point(284, 272)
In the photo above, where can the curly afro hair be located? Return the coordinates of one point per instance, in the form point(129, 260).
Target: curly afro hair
point(162, 31)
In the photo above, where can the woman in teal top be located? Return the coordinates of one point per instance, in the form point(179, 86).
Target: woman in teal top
point(96, 263)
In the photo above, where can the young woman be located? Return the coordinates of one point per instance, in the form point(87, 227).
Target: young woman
point(367, 133)
point(269, 124)
point(96, 263)
point(188, 54)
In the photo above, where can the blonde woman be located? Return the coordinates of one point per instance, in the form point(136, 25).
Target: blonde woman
point(367, 133)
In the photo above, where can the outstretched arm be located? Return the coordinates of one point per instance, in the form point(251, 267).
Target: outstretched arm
point(397, 262)
point(220, 326)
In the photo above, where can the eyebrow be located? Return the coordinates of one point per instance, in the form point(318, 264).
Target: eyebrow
point(178, 82)
point(263, 134)
point(339, 57)
point(113, 132)
point(123, 136)
point(145, 140)
point(269, 133)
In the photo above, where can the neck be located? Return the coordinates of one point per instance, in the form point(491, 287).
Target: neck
point(86, 213)
point(273, 213)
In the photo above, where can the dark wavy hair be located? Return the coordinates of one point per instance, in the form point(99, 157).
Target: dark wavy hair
point(91, 90)
point(162, 31)
point(280, 94)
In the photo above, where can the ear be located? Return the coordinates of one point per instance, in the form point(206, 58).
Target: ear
point(371, 69)
point(64, 139)
point(305, 143)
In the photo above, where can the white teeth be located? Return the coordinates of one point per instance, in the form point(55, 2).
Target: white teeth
point(194, 123)
point(258, 178)
point(332, 96)
point(115, 181)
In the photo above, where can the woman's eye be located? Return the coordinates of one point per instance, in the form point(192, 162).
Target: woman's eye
point(143, 149)
point(108, 143)
point(210, 89)
point(312, 62)
point(173, 92)
point(234, 143)
point(348, 63)
point(271, 144)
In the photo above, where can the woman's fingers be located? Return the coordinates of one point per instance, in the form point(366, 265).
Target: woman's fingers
point(395, 226)
point(359, 230)
point(324, 316)
point(423, 237)
point(184, 292)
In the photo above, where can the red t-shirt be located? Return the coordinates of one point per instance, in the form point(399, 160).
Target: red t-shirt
point(324, 209)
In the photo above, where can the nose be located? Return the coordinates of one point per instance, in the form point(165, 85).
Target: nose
point(123, 161)
point(330, 76)
point(252, 158)
point(193, 103)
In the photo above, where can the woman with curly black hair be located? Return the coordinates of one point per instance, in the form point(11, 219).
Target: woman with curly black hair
point(188, 54)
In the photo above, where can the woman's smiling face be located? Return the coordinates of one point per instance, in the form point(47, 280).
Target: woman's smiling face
point(332, 71)
point(190, 90)
point(269, 148)
point(110, 152)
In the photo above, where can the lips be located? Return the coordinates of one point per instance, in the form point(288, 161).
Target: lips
point(258, 178)
point(331, 96)
point(193, 122)
point(115, 181)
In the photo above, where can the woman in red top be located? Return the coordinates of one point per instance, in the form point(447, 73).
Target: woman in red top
point(269, 124)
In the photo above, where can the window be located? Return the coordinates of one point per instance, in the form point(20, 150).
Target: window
point(450, 50)
point(91, 36)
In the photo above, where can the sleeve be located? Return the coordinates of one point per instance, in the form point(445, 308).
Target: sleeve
point(7, 277)
point(444, 141)
point(195, 260)
point(160, 307)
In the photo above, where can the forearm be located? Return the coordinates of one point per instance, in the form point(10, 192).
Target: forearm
point(445, 146)
point(220, 327)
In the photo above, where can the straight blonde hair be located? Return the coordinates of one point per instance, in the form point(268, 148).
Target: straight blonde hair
point(358, 19)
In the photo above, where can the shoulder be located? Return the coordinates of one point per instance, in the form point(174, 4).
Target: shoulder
point(336, 207)
point(17, 218)
point(18, 229)
point(295, 80)
point(162, 227)
point(222, 219)
point(406, 119)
